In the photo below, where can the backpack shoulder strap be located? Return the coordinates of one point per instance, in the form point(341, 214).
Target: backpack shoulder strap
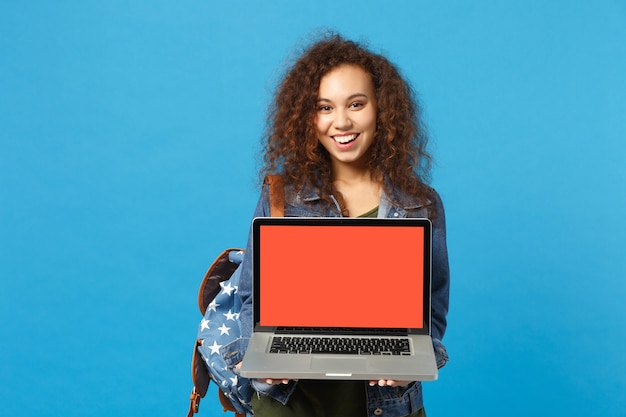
point(277, 195)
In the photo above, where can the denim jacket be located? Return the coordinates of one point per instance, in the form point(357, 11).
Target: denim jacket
point(381, 401)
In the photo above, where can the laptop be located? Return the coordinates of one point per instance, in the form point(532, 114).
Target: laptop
point(341, 298)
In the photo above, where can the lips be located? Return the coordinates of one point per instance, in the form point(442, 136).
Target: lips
point(345, 139)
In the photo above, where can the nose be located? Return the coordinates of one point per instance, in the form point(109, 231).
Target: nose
point(342, 120)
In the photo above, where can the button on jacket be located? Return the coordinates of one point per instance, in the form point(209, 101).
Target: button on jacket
point(381, 401)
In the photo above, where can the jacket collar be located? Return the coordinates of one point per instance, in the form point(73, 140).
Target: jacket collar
point(396, 199)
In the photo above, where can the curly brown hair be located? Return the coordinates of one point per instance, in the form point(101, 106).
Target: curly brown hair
point(291, 146)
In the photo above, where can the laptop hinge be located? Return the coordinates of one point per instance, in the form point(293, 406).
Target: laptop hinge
point(341, 331)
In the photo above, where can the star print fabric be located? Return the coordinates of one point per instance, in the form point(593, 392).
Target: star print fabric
point(219, 327)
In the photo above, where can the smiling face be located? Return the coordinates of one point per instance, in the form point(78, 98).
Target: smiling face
point(346, 116)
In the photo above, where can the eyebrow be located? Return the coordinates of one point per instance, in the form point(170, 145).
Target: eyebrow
point(352, 97)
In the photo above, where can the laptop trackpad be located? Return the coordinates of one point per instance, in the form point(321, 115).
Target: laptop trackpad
point(338, 364)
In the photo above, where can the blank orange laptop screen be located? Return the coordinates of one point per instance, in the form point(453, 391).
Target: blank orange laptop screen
point(330, 276)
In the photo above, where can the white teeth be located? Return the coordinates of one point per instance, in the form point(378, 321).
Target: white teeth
point(344, 139)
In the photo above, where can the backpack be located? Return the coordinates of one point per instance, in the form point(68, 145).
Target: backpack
point(219, 325)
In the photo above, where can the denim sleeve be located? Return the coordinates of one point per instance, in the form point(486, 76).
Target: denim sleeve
point(234, 352)
point(440, 281)
point(245, 282)
point(441, 354)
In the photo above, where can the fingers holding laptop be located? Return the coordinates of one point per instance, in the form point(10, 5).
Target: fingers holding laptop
point(389, 383)
point(271, 381)
point(381, 382)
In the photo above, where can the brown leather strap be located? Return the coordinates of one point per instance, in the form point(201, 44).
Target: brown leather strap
point(200, 378)
point(277, 195)
point(194, 402)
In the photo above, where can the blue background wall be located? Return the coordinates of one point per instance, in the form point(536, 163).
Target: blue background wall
point(128, 135)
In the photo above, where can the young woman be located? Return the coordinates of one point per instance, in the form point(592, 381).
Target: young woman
point(345, 135)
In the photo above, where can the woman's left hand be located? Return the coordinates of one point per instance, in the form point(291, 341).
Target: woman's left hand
point(388, 383)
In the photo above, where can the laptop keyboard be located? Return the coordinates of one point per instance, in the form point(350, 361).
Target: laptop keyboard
point(340, 345)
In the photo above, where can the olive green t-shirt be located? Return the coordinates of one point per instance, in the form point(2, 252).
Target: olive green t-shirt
point(373, 213)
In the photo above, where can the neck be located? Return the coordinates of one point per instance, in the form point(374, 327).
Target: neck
point(350, 173)
point(356, 190)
